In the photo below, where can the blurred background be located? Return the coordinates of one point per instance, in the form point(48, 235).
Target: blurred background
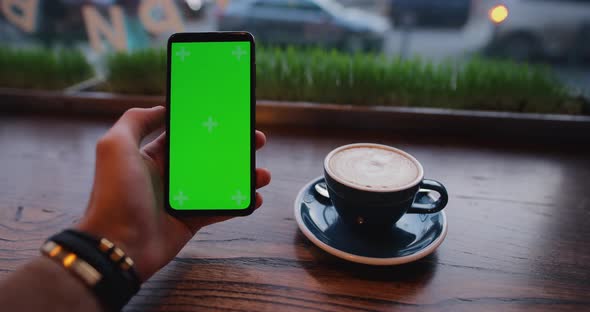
point(553, 33)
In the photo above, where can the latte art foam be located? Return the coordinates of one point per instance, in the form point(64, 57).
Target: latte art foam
point(373, 167)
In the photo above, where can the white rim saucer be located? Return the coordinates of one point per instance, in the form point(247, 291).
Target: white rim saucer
point(362, 259)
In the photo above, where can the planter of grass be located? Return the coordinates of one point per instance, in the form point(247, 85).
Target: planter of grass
point(42, 69)
point(138, 73)
point(369, 80)
point(312, 87)
point(320, 76)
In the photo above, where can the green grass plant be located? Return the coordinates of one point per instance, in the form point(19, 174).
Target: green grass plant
point(316, 75)
point(322, 76)
point(42, 68)
point(139, 72)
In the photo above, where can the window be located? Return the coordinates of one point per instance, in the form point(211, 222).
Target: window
point(474, 54)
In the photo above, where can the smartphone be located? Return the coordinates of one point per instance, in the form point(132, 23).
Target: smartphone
point(211, 114)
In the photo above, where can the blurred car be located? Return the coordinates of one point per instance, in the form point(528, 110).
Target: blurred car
point(533, 29)
point(430, 13)
point(305, 22)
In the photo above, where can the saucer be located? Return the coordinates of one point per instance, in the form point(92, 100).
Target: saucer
point(413, 237)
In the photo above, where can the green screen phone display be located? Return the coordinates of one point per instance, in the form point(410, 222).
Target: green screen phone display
point(210, 126)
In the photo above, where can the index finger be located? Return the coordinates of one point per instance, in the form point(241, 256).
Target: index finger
point(139, 122)
point(260, 139)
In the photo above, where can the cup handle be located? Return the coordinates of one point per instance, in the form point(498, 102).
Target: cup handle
point(438, 205)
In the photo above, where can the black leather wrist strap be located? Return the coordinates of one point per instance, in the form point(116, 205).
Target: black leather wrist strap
point(116, 281)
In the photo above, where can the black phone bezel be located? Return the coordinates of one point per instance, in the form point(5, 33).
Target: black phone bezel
point(213, 37)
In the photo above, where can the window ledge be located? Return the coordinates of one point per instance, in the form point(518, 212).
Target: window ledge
point(302, 114)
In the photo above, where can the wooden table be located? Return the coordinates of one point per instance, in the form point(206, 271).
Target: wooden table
point(519, 235)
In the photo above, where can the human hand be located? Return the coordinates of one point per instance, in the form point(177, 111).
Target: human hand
point(126, 204)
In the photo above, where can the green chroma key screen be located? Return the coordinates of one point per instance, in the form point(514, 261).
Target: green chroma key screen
point(210, 126)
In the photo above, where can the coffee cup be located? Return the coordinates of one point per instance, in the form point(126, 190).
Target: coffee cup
point(372, 186)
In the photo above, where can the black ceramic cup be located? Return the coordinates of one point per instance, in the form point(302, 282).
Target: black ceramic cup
point(367, 207)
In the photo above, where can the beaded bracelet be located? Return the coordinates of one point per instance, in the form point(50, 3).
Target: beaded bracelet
point(101, 265)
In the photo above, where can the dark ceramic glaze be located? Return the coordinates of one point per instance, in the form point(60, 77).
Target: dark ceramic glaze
point(376, 210)
point(410, 235)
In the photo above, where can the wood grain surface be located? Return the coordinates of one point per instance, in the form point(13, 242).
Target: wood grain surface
point(519, 235)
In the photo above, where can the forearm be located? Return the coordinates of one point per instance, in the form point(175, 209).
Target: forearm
point(44, 285)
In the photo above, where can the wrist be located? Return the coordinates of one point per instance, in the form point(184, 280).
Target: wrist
point(52, 287)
